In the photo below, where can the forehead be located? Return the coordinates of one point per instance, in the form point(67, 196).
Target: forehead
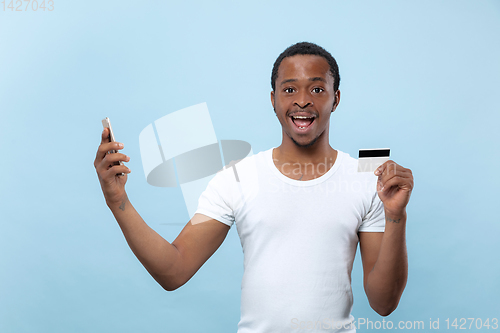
point(304, 66)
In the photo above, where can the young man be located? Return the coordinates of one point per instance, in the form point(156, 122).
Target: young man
point(299, 220)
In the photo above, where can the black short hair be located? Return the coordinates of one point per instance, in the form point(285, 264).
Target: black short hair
point(307, 48)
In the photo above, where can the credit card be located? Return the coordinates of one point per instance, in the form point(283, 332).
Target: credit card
point(370, 159)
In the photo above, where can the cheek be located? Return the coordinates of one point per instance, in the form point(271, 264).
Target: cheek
point(281, 117)
point(281, 104)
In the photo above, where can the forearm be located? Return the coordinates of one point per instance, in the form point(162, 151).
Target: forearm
point(387, 280)
point(160, 258)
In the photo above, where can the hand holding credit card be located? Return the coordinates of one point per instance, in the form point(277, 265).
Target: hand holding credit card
point(370, 159)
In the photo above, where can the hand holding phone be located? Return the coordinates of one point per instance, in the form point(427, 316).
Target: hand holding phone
point(110, 170)
point(106, 123)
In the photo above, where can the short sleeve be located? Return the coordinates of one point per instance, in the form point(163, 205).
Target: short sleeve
point(374, 220)
point(215, 201)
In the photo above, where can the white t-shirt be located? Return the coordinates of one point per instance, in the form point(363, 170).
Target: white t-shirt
point(299, 240)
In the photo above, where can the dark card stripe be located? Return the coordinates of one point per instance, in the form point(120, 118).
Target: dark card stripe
point(374, 153)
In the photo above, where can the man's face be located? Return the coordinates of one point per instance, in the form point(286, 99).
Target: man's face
point(304, 98)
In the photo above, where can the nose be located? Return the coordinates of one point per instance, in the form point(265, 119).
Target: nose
point(303, 99)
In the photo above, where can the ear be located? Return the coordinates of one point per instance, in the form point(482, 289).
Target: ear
point(272, 100)
point(337, 100)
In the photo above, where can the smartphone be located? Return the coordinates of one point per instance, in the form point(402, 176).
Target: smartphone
point(106, 123)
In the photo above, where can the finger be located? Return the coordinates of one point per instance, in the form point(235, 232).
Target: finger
point(104, 148)
point(105, 136)
point(401, 182)
point(389, 170)
point(108, 176)
point(389, 167)
point(104, 139)
point(380, 170)
point(115, 170)
point(116, 157)
point(111, 159)
point(401, 172)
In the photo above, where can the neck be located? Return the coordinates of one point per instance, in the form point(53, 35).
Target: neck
point(290, 152)
point(302, 163)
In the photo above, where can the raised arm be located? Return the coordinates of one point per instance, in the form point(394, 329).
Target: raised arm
point(385, 262)
point(170, 264)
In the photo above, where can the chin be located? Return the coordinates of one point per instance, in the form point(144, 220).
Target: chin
point(304, 144)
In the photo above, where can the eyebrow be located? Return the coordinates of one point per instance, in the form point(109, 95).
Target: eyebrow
point(286, 81)
point(317, 79)
point(312, 79)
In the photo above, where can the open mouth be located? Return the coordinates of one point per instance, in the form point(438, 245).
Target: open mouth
point(303, 122)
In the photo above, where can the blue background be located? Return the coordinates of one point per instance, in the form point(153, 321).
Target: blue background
point(420, 77)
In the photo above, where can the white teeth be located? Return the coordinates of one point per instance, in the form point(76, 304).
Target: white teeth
point(302, 117)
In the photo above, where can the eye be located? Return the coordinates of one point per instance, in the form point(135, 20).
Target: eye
point(289, 90)
point(318, 90)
